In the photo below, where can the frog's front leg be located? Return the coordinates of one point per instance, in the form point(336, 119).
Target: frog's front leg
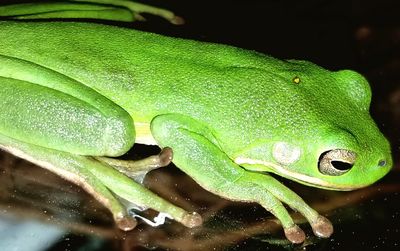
point(62, 125)
point(197, 153)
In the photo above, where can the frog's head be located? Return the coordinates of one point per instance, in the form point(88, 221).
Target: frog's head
point(333, 143)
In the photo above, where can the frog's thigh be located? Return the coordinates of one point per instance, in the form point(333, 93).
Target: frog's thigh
point(51, 118)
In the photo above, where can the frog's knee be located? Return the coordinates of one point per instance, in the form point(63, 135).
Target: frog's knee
point(119, 136)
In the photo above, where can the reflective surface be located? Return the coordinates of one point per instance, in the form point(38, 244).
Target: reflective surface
point(340, 34)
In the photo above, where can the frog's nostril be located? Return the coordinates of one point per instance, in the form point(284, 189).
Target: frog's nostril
point(382, 163)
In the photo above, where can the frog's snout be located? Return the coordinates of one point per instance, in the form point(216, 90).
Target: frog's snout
point(336, 162)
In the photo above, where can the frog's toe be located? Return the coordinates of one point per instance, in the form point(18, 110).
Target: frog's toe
point(192, 220)
point(322, 227)
point(165, 156)
point(295, 234)
point(125, 222)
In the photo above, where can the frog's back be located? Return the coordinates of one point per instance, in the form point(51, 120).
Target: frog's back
point(149, 74)
point(124, 64)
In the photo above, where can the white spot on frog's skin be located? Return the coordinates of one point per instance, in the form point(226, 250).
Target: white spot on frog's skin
point(285, 153)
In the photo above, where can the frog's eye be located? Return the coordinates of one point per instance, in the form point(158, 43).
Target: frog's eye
point(336, 162)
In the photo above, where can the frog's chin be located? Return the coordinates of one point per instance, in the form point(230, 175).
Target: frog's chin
point(321, 183)
point(264, 166)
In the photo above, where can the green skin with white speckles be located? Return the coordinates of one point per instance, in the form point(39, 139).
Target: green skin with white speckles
point(74, 91)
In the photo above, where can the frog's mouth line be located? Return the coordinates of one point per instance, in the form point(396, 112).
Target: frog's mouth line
point(298, 177)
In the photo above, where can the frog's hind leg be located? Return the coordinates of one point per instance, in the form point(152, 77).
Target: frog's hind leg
point(137, 169)
point(70, 167)
point(101, 181)
point(59, 123)
point(47, 108)
point(115, 10)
